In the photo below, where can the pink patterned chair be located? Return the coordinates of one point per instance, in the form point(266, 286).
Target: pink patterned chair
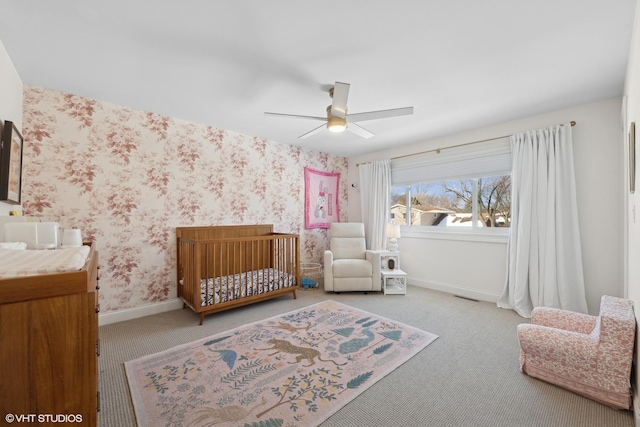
point(589, 355)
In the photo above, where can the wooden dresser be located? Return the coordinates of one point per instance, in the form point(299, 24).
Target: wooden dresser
point(49, 347)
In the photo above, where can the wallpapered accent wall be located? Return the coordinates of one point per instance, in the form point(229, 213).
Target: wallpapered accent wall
point(127, 178)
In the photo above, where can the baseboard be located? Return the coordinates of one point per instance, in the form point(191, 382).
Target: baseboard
point(134, 313)
point(455, 290)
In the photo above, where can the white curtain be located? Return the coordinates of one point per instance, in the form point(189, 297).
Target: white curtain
point(375, 187)
point(544, 257)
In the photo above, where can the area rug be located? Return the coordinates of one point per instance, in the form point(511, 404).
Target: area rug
point(294, 369)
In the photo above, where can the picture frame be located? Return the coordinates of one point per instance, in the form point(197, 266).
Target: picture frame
point(321, 206)
point(632, 157)
point(11, 145)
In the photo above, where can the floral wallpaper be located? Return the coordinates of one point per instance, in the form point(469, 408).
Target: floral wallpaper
point(127, 178)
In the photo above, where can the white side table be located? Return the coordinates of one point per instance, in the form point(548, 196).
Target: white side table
point(394, 282)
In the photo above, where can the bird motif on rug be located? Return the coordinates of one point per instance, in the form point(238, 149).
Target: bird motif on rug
point(225, 414)
point(227, 356)
point(356, 344)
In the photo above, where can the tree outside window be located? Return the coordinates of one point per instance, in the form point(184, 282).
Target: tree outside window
point(475, 203)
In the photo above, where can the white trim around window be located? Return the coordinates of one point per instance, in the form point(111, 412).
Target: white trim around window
point(493, 235)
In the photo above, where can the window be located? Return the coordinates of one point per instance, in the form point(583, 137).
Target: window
point(459, 187)
point(472, 203)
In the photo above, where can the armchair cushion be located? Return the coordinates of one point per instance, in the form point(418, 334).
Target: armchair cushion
point(589, 355)
point(352, 268)
point(347, 240)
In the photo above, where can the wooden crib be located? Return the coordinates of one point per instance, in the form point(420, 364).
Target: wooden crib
point(223, 267)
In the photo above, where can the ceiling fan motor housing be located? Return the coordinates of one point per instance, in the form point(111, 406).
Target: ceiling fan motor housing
point(335, 123)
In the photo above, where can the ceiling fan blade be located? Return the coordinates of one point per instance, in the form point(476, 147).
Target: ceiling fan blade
point(359, 130)
point(296, 116)
point(312, 132)
point(382, 114)
point(340, 96)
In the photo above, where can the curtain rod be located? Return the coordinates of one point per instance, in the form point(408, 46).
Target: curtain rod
point(437, 150)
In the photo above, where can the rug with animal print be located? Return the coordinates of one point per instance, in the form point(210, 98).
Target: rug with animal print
point(294, 369)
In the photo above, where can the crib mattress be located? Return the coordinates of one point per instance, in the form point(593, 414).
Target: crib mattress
point(15, 262)
point(242, 285)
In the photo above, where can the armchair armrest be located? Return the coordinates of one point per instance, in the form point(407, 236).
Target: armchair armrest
point(566, 347)
point(563, 319)
point(328, 270)
point(374, 258)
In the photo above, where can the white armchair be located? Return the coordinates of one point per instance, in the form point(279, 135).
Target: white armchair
point(348, 265)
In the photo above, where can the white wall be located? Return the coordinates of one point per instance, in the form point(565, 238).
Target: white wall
point(632, 266)
point(10, 104)
point(436, 263)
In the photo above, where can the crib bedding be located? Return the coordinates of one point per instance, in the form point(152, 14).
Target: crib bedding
point(243, 285)
point(14, 263)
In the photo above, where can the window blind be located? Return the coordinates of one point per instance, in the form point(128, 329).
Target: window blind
point(487, 158)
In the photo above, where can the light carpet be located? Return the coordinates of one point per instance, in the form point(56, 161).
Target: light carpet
point(294, 369)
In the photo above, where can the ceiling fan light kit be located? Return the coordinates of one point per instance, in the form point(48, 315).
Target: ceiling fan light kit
point(337, 117)
point(336, 124)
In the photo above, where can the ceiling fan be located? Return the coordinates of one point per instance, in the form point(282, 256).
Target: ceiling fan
point(337, 119)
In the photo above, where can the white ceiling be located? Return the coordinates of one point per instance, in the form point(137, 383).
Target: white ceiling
point(461, 64)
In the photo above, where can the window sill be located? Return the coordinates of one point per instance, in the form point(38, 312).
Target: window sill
point(489, 236)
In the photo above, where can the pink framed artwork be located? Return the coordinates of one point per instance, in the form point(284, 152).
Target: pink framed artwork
point(321, 198)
